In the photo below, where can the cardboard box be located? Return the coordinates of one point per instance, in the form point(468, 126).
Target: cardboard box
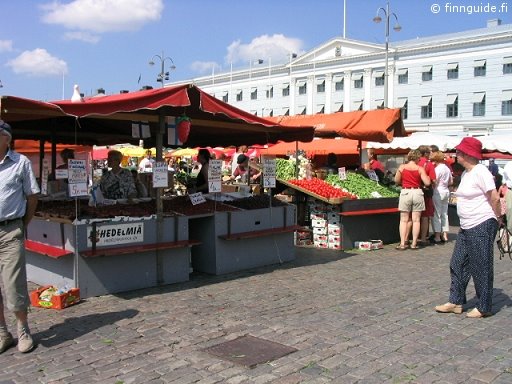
point(363, 245)
point(57, 301)
point(319, 238)
point(319, 223)
point(321, 244)
point(334, 246)
point(334, 239)
point(320, 230)
point(333, 229)
point(318, 216)
point(377, 244)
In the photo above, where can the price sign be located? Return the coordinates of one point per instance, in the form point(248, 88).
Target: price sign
point(61, 174)
point(197, 198)
point(78, 189)
point(342, 173)
point(269, 172)
point(77, 171)
point(160, 175)
point(44, 177)
point(372, 175)
point(77, 178)
point(215, 176)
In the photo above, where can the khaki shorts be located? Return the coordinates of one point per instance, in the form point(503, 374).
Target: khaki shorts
point(12, 266)
point(411, 200)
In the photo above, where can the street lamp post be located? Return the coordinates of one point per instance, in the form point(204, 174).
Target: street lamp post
point(163, 75)
point(396, 28)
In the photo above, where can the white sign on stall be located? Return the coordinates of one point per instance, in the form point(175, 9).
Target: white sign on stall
point(215, 176)
point(77, 178)
point(160, 175)
point(372, 175)
point(197, 198)
point(342, 173)
point(269, 172)
point(44, 177)
point(116, 234)
point(61, 173)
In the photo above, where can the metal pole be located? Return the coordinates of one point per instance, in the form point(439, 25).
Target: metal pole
point(387, 55)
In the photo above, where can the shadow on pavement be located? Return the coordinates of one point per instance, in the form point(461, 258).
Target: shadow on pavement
point(304, 257)
point(75, 327)
point(500, 300)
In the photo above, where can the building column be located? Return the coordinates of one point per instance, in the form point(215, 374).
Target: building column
point(367, 80)
point(328, 93)
point(391, 86)
point(311, 95)
point(293, 89)
point(347, 86)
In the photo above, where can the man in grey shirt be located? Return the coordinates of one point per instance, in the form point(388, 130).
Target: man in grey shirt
point(18, 202)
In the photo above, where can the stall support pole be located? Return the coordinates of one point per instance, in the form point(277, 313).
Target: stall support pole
point(159, 202)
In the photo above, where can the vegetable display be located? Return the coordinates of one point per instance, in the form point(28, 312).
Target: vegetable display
point(320, 188)
point(361, 186)
point(285, 169)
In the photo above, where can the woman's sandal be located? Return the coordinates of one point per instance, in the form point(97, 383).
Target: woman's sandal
point(401, 247)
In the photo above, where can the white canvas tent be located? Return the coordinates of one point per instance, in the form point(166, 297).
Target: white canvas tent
point(413, 141)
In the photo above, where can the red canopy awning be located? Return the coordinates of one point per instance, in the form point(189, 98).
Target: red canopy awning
point(33, 146)
point(379, 125)
point(339, 146)
point(108, 119)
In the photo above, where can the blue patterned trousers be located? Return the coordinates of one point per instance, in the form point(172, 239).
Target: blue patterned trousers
point(473, 256)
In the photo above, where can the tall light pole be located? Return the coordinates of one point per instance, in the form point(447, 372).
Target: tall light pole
point(396, 28)
point(163, 75)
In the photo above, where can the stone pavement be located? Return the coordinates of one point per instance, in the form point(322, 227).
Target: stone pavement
point(359, 317)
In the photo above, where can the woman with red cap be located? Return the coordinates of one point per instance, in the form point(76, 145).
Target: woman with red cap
point(478, 208)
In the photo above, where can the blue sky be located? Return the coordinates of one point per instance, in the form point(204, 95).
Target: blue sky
point(47, 46)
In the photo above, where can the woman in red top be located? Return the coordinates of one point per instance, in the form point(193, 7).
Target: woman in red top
point(411, 202)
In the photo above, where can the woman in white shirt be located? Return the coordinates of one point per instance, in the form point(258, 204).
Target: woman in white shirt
point(444, 180)
point(478, 207)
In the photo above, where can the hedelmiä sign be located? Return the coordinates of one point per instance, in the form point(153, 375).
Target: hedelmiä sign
point(108, 235)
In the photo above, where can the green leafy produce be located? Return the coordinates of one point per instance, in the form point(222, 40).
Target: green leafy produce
point(361, 186)
point(285, 169)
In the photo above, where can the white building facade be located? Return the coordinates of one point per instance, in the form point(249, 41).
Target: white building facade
point(455, 84)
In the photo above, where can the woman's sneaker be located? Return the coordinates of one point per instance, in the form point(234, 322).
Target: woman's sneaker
point(6, 341)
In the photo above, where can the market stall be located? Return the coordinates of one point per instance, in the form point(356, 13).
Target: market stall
point(144, 249)
point(339, 222)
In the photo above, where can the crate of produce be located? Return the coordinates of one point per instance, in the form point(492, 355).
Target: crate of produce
point(49, 297)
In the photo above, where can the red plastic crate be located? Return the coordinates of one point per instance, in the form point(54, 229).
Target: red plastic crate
point(57, 301)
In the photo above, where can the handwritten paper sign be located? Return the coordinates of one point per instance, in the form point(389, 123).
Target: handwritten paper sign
point(160, 175)
point(342, 173)
point(77, 178)
point(269, 172)
point(215, 176)
point(197, 198)
point(372, 175)
point(44, 177)
point(61, 174)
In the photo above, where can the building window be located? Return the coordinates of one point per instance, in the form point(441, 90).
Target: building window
point(338, 107)
point(452, 71)
point(358, 80)
point(225, 97)
point(286, 112)
point(479, 104)
point(403, 76)
point(254, 93)
point(452, 106)
point(426, 74)
point(338, 84)
point(379, 104)
point(506, 103)
point(302, 110)
point(239, 95)
point(270, 92)
point(507, 65)
point(426, 107)
point(286, 90)
point(379, 78)
point(302, 87)
point(403, 105)
point(320, 86)
point(271, 113)
point(480, 67)
point(320, 109)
